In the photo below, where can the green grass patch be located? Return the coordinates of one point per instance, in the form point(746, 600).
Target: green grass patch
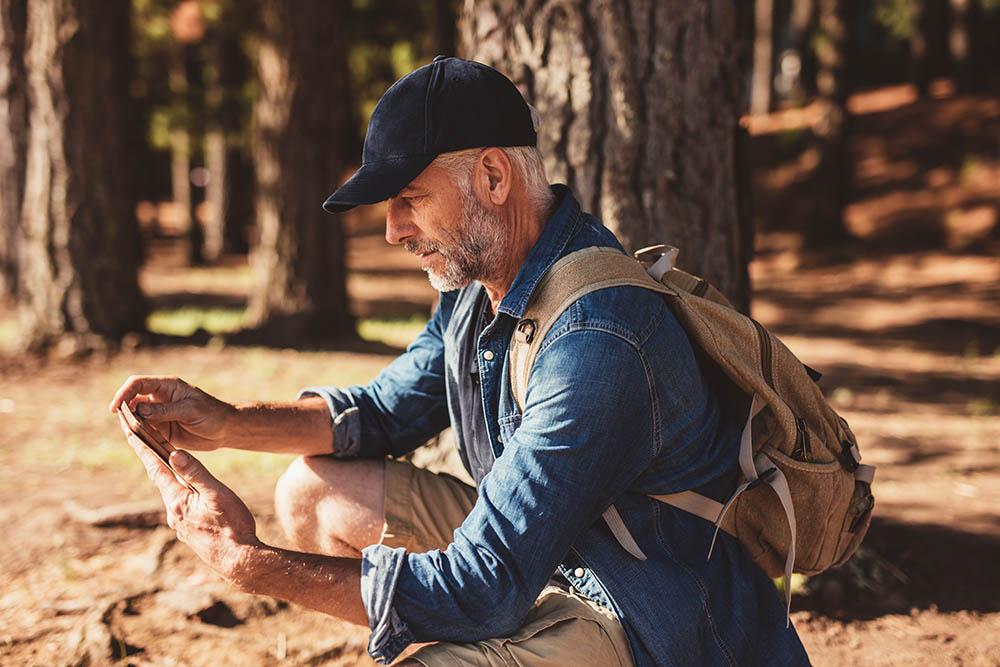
point(185, 321)
point(799, 582)
point(396, 331)
point(982, 407)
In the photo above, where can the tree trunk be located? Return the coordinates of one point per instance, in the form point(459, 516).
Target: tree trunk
point(763, 48)
point(79, 250)
point(301, 121)
point(965, 26)
point(640, 103)
point(444, 28)
point(229, 193)
point(833, 173)
point(13, 128)
point(802, 23)
point(958, 44)
point(918, 67)
point(185, 87)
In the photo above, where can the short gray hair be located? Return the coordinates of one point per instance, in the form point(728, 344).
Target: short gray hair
point(527, 163)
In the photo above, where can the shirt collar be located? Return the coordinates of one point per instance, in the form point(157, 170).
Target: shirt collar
point(550, 246)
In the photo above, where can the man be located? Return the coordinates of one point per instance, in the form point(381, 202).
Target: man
point(518, 570)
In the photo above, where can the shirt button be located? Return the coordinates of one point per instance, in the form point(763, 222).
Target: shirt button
point(488, 355)
point(578, 572)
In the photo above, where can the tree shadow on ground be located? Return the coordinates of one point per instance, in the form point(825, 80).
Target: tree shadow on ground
point(915, 166)
point(200, 300)
point(903, 566)
point(916, 386)
point(973, 335)
point(362, 307)
point(274, 338)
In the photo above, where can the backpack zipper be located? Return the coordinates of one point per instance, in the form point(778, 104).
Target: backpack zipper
point(803, 444)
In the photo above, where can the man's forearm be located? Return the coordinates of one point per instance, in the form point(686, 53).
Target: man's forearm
point(301, 427)
point(324, 583)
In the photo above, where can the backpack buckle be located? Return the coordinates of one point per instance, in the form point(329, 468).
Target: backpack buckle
point(847, 456)
point(524, 332)
point(650, 253)
point(762, 478)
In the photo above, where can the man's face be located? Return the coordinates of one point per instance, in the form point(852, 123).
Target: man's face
point(457, 238)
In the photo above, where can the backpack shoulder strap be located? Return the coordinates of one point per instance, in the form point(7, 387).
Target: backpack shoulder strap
point(569, 279)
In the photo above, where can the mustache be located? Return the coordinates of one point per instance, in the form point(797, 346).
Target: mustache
point(417, 247)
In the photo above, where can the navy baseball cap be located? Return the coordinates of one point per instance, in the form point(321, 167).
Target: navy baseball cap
point(449, 105)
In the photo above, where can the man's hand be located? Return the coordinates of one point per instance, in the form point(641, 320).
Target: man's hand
point(214, 522)
point(220, 529)
point(187, 416)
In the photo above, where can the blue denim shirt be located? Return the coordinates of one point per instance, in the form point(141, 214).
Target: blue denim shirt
point(617, 406)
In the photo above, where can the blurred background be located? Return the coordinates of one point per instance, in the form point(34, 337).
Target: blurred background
point(832, 166)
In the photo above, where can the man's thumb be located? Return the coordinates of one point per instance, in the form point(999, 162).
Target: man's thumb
point(193, 471)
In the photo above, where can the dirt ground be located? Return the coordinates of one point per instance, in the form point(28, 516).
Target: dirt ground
point(904, 324)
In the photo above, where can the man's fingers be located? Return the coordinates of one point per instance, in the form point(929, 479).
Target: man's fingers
point(143, 384)
point(194, 472)
point(157, 470)
point(176, 411)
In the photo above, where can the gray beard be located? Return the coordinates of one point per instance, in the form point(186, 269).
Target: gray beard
point(481, 247)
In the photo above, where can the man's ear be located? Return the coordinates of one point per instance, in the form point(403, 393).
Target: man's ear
point(495, 174)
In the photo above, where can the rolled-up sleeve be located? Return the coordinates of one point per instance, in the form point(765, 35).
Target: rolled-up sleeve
point(380, 568)
point(403, 407)
point(578, 447)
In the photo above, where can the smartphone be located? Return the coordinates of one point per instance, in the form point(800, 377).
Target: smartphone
point(151, 437)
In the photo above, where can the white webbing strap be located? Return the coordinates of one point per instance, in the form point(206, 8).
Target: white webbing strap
point(664, 263)
point(693, 503)
point(777, 481)
point(746, 466)
point(746, 440)
point(725, 509)
point(618, 529)
point(756, 470)
point(865, 473)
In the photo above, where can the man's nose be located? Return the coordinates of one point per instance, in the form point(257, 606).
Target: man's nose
point(398, 225)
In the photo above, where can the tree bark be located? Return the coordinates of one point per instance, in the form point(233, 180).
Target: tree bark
point(444, 28)
point(640, 103)
point(965, 44)
point(13, 129)
point(229, 193)
point(802, 22)
point(763, 48)
point(184, 80)
point(79, 249)
point(918, 69)
point(958, 43)
point(302, 121)
point(833, 173)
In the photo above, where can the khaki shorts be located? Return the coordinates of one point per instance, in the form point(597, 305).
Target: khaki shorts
point(422, 511)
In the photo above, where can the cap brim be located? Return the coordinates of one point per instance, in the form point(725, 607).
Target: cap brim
point(377, 181)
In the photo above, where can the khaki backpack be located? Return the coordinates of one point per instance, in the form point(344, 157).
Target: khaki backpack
point(804, 499)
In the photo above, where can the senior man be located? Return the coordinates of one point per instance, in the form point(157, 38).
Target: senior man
point(518, 570)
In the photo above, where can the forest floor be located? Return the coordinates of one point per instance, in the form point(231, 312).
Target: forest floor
point(904, 323)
